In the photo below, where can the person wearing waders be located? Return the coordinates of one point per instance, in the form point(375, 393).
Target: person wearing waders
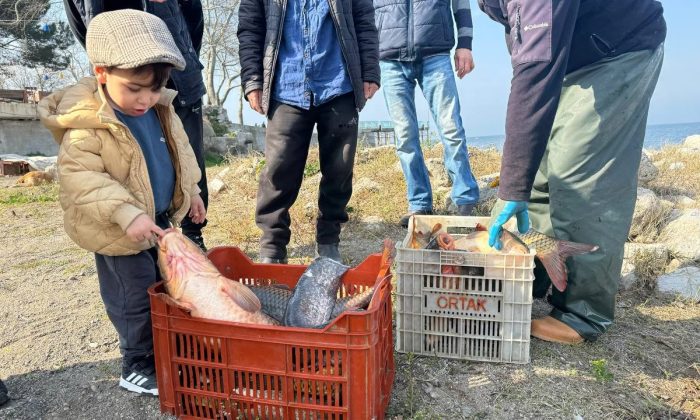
point(583, 75)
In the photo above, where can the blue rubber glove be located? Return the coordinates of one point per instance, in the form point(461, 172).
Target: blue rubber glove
point(512, 208)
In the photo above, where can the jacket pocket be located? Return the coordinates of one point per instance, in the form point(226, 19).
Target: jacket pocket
point(601, 45)
point(530, 31)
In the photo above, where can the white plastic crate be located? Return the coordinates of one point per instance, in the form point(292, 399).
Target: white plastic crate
point(483, 313)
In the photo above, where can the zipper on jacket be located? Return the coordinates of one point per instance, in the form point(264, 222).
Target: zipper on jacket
point(342, 51)
point(274, 58)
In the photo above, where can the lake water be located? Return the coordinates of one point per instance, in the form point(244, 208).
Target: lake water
point(656, 136)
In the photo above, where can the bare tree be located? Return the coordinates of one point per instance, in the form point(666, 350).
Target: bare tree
point(220, 50)
point(78, 66)
point(35, 77)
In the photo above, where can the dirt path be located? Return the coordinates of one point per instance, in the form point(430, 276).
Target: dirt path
point(59, 354)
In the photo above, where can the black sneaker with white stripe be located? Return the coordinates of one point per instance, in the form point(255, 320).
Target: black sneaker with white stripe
point(140, 376)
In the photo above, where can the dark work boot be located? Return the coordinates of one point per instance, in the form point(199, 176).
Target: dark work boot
point(330, 251)
point(405, 218)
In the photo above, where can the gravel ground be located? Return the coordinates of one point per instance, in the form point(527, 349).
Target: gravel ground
point(59, 354)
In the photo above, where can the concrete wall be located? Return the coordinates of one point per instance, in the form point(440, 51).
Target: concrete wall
point(248, 138)
point(25, 137)
point(248, 134)
point(18, 111)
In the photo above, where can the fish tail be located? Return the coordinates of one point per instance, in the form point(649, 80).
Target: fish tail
point(554, 261)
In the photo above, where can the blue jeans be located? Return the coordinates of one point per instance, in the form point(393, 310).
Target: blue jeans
point(437, 81)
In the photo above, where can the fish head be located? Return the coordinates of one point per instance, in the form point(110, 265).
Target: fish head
point(179, 258)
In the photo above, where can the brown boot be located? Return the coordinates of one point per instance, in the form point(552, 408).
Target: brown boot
point(550, 329)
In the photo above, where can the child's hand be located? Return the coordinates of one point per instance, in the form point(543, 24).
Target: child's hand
point(197, 211)
point(142, 228)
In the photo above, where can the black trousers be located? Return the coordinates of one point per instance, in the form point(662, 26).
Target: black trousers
point(191, 117)
point(124, 282)
point(287, 141)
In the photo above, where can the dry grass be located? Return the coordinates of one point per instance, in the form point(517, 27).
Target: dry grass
point(649, 227)
point(680, 181)
point(648, 265)
point(234, 213)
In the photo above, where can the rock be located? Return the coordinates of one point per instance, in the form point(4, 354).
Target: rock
point(647, 211)
point(439, 176)
point(682, 201)
point(684, 282)
point(647, 170)
point(222, 175)
point(681, 235)
point(208, 129)
point(487, 193)
point(372, 219)
point(93, 345)
point(692, 142)
point(674, 265)
point(628, 281)
point(675, 166)
point(216, 186)
point(366, 184)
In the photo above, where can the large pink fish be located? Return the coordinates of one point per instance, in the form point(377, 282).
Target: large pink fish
point(196, 286)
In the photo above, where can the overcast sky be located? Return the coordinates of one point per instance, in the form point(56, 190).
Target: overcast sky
point(484, 92)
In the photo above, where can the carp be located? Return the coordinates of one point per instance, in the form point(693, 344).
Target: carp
point(551, 252)
point(314, 302)
point(275, 298)
point(195, 285)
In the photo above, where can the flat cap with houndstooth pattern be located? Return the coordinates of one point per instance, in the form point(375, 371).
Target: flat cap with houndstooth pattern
point(129, 38)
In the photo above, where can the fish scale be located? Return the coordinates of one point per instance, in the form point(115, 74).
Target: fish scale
point(537, 240)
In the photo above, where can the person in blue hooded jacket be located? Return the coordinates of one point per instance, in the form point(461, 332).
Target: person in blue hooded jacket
point(584, 72)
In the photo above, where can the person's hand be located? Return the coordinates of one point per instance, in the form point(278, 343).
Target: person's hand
point(197, 211)
point(142, 228)
point(254, 99)
point(464, 63)
point(370, 89)
point(512, 208)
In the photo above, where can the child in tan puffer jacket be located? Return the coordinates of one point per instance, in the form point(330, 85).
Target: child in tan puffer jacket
point(126, 170)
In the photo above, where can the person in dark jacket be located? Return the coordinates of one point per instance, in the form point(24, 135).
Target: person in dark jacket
point(415, 39)
point(307, 63)
point(583, 74)
point(185, 21)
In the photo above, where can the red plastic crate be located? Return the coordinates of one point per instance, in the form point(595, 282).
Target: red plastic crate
point(224, 370)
